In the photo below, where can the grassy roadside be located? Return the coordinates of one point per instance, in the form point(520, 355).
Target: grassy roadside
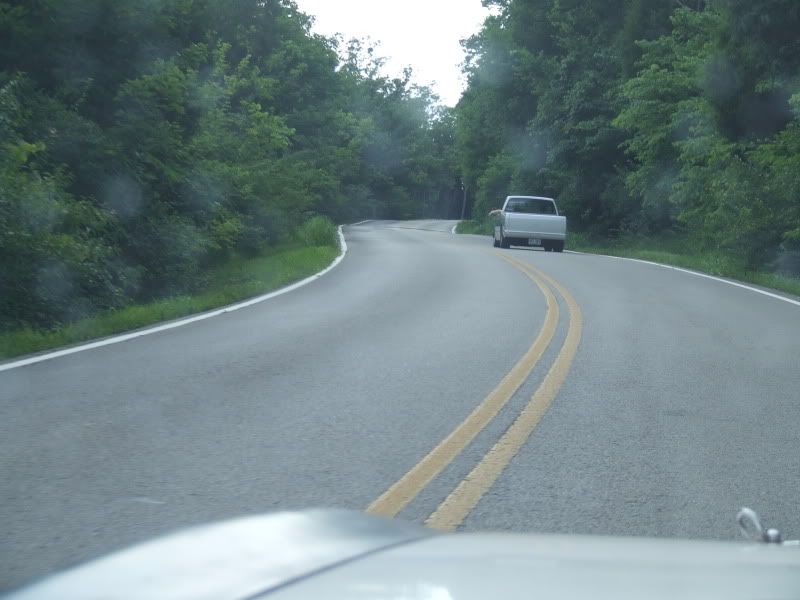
point(675, 250)
point(475, 227)
point(680, 251)
point(236, 280)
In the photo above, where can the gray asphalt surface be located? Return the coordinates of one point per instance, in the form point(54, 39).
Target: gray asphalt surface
point(681, 405)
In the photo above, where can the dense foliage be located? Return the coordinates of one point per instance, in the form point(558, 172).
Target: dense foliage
point(642, 116)
point(144, 141)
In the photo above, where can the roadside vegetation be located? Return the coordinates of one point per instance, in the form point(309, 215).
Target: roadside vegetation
point(239, 278)
point(148, 148)
point(682, 251)
point(478, 227)
point(665, 129)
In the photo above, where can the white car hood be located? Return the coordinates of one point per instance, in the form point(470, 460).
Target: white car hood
point(508, 567)
point(345, 554)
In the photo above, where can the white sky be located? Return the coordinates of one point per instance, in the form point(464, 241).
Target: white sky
point(422, 34)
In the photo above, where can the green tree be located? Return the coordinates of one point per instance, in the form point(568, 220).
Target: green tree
point(145, 142)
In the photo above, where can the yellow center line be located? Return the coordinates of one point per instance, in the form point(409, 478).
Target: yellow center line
point(397, 497)
point(455, 508)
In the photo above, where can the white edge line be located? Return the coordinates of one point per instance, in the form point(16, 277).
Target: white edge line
point(696, 274)
point(362, 222)
point(174, 324)
point(453, 230)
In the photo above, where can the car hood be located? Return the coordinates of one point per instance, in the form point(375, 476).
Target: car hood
point(507, 566)
point(342, 554)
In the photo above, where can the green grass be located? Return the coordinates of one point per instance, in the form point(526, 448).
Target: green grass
point(476, 227)
point(682, 251)
point(236, 280)
point(676, 250)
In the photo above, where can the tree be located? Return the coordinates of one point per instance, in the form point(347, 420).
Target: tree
point(146, 142)
point(640, 117)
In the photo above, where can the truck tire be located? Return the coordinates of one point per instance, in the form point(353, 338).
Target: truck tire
point(504, 241)
point(559, 246)
point(495, 243)
point(547, 246)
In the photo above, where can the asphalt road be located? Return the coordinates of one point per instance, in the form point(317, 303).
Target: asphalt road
point(662, 402)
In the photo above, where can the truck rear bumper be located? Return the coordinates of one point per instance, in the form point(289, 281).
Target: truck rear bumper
point(541, 235)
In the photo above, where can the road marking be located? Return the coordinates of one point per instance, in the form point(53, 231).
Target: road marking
point(362, 222)
point(397, 497)
point(455, 508)
point(696, 274)
point(453, 230)
point(180, 323)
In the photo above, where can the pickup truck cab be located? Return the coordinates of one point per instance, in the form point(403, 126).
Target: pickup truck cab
point(530, 221)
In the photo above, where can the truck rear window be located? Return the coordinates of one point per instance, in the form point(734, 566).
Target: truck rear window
point(531, 206)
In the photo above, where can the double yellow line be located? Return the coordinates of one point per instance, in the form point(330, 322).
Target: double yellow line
point(468, 493)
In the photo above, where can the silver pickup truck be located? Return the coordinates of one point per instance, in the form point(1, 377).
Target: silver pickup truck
point(530, 221)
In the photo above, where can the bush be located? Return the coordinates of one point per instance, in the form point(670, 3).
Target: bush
point(318, 231)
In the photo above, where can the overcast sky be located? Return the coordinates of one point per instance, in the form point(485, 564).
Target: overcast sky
point(423, 34)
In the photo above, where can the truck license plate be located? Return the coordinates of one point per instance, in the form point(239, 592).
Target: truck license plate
point(534, 242)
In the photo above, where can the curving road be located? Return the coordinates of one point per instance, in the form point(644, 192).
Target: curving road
point(428, 376)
